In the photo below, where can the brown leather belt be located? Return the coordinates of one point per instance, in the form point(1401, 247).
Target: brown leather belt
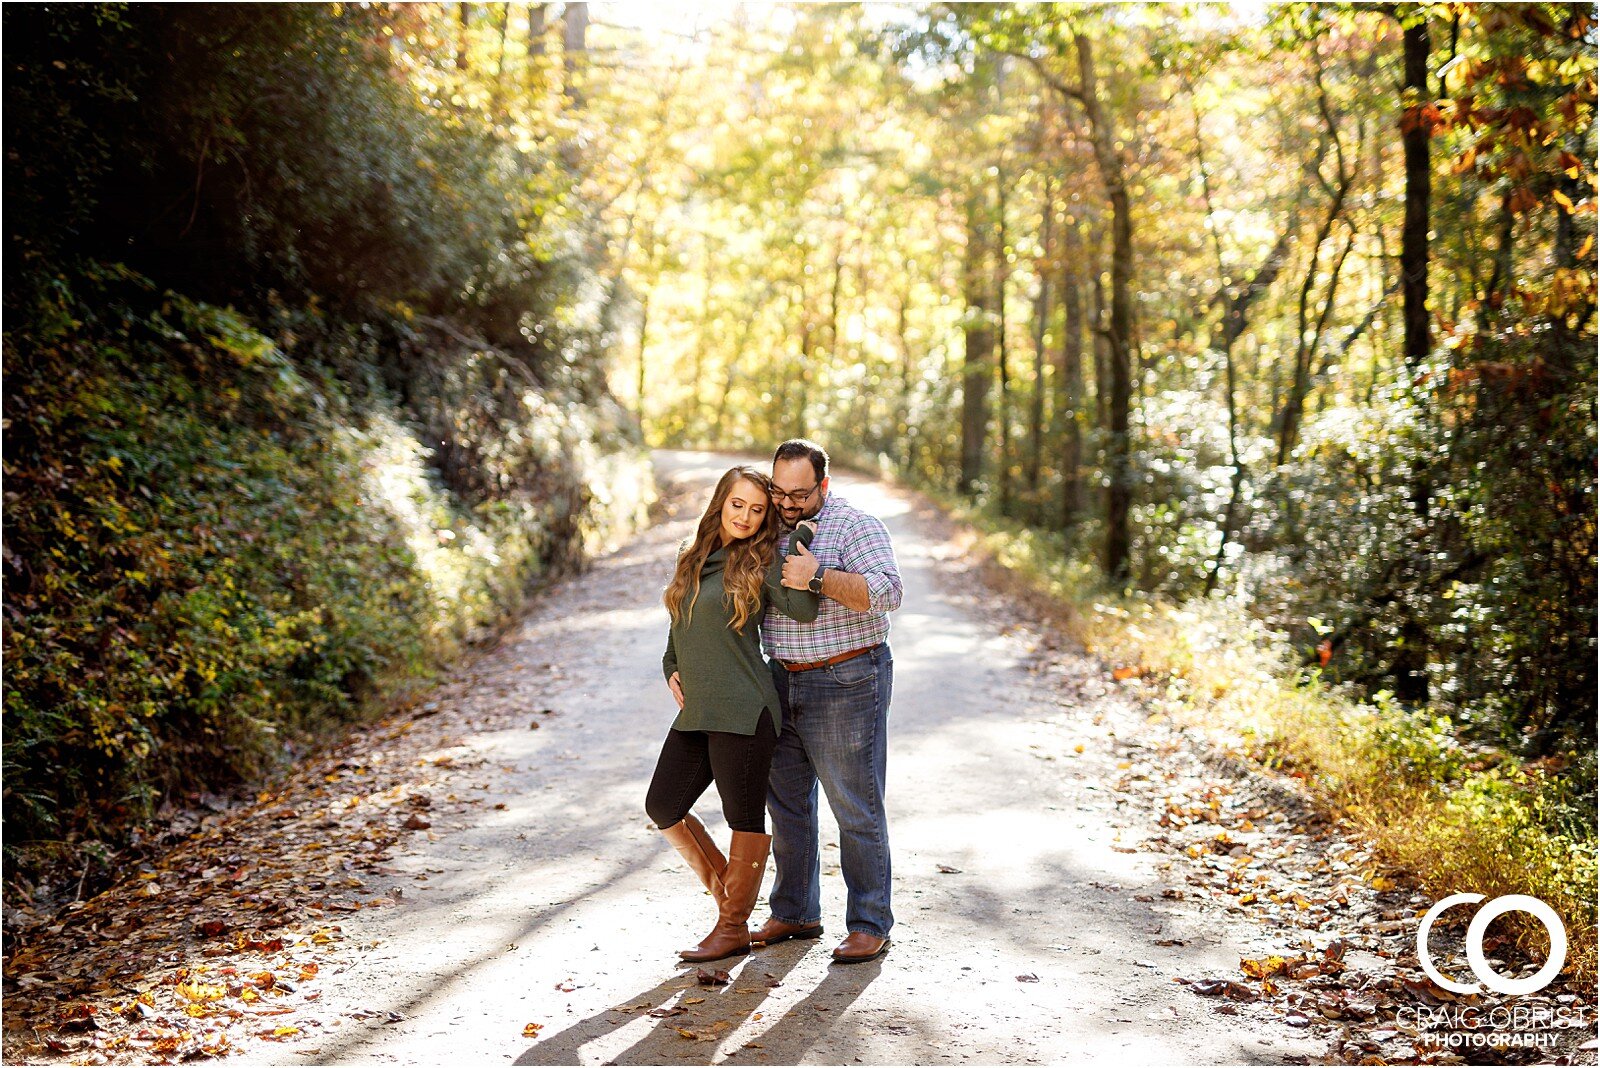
point(841, 658)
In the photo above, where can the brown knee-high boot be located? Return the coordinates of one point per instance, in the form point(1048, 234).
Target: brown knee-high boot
point(747, 863)
point(689, 837)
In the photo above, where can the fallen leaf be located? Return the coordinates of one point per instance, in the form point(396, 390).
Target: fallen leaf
point(668, 1010)
point(1266, 967)
point(1211, 988)
point(531, 1030)
point(945, 869)
point(78, 1017)
point(1029, 978)
point(716, 978)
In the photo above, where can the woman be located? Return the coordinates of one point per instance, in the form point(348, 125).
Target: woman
point(728, 719)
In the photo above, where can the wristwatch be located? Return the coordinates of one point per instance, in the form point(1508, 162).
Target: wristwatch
point(815, 585)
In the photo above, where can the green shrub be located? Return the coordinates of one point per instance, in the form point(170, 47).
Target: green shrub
point(212, 553)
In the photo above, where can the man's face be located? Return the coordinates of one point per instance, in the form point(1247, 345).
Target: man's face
point(798, 493)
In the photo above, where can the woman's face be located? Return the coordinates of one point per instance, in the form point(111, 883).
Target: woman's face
point(744, 511)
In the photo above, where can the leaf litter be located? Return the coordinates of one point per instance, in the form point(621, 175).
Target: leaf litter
point(227, 920)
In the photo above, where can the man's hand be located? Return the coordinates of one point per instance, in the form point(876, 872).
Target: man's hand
point(800, 568)
point(676, 686)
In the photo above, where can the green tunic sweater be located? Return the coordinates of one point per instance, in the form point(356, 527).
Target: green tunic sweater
point(726, 683)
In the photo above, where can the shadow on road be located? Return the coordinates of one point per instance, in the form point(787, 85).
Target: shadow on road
point(724, 1011)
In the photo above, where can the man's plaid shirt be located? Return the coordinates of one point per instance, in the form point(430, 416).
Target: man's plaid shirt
point(848, 539)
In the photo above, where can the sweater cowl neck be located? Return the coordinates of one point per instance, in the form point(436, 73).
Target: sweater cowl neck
point(717, 561)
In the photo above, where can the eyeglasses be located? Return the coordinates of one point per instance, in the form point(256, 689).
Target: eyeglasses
point(794, 496)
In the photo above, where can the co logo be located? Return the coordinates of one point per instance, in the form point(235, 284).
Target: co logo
point(1475, 931)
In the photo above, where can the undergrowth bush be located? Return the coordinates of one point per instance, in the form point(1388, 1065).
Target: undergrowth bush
point(1454, 814)
point(214, 553)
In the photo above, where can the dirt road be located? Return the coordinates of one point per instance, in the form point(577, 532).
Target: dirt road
point(508, 901)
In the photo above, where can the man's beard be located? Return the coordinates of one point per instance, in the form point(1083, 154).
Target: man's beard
point(788, 524)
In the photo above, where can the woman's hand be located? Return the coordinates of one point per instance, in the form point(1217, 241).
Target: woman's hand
point(676, 686)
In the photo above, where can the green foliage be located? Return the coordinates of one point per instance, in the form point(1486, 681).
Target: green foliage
point(1454, 812)
point(229, 150)
point(213, 554)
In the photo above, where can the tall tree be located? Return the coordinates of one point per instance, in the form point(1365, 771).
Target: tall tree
point(977, 328)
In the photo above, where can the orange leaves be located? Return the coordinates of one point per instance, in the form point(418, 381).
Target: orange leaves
point(254, 941)
point(531, 1030)
point(1265, 967)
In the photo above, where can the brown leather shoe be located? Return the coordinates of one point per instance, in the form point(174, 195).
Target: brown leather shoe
point(741, 880)
point(774, 931)
point(859, 947)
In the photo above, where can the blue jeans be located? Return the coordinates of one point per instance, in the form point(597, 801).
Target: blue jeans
point(835, 731)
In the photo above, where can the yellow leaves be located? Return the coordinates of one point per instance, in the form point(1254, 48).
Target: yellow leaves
point(201, 992)
point(531, 1030)
point(1382, 883)
point(1265, 967)
point(1561, 198)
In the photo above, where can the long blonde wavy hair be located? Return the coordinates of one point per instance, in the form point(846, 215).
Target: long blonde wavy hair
point(748, 558)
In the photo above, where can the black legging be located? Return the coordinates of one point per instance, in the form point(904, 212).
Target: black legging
point(738, 763)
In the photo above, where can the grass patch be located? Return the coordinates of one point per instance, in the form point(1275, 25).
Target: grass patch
point(1450, 816)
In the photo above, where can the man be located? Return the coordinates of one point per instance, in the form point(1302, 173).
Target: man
point(833, 678)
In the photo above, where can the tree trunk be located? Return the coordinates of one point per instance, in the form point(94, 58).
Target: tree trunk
point(978, 337)
point(907, 377)
point(500, 64)
point(1119, 493)
point(1066, 414)
point(1041, 318)
point(463, 20)
point(1411, 660)
point(574, 33)
point(1002, 275)
point(644, 333)
point(537, 20)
